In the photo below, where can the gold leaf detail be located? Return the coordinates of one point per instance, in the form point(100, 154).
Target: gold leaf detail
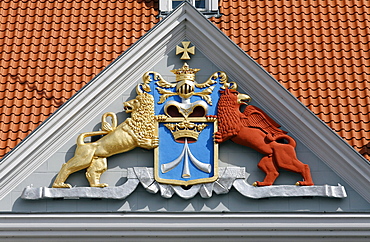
point(163, 83)
point(165, 94)
point(208, 83)
point(146, 87)
point(205, 95)
point(107, 127)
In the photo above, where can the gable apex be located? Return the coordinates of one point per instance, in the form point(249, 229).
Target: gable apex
point(123, 74)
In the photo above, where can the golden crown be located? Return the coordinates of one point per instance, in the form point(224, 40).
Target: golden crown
point(185, 73)
point(185, 129)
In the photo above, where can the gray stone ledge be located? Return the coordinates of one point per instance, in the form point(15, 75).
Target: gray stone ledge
point(228, 177)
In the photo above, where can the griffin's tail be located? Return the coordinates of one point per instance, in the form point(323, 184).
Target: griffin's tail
point(285, 137)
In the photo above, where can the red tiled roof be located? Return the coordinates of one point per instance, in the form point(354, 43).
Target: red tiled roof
point(51, 49)
point(319, 50)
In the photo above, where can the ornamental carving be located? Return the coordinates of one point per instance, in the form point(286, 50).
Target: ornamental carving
point(255, 129)
point(137, 131)
point(185, 122)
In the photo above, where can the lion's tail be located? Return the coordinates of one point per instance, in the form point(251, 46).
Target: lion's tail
point(81, 137)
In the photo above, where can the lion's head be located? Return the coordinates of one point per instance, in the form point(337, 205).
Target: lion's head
point(142, 115)
point(228, 111)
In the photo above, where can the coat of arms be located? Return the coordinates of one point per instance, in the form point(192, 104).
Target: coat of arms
point(184, 122)
point(187, 153)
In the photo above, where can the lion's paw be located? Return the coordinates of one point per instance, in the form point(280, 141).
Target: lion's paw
point(99, 185)
point(161, 118)
point(155, 142)
point(61, 185)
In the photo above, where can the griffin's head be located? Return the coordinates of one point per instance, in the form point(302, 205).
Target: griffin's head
point(243, 99)
point(236, 97)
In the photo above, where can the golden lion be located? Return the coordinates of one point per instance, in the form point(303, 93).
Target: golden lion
point(137, 131)
point(254, 129)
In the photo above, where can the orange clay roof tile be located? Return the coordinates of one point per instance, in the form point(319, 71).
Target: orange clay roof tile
point(51, 49)
point(318, 50)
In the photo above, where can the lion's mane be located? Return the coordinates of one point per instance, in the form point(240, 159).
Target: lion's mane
point(142, 119)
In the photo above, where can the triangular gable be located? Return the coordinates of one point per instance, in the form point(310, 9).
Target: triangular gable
point(184, 23)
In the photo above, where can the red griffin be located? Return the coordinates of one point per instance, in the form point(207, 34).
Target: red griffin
point(255, 129)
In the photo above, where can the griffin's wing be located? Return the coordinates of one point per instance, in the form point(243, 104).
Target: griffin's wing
point(256, 118)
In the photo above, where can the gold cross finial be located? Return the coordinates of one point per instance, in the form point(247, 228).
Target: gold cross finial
point(186, 50)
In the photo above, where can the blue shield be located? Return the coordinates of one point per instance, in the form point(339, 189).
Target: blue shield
point(186, 123)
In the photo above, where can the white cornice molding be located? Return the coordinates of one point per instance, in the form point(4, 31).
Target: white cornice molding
point(186, 227)
point(124, 73)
